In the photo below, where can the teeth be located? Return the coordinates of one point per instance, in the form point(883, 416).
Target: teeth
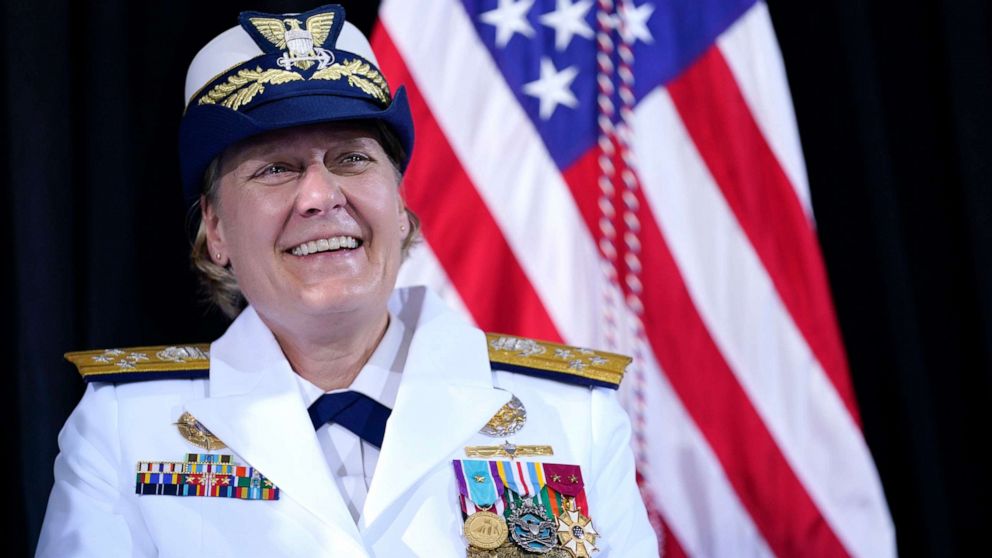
point(325, 245)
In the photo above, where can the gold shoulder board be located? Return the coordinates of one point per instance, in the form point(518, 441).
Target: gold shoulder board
point(143, 363)
point(564, 363)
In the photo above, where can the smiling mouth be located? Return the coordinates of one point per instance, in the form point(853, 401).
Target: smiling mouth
point(333, 244)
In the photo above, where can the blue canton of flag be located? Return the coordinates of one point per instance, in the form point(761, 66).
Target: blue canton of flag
point(546, 50)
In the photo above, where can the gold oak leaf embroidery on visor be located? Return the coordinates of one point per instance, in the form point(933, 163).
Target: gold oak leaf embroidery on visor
point(360, 75)
point(242, 87)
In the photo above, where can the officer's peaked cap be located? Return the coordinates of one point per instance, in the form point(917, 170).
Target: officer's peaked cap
point(276, 71)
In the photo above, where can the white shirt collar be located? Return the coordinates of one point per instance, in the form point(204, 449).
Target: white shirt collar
point(381, 375)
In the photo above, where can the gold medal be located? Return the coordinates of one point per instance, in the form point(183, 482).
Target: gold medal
point(485, 530)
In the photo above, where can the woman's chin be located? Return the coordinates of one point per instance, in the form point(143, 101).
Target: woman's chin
point(341, 299)
point(339, 294)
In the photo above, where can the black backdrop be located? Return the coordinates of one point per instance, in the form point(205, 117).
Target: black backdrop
point(892, 100)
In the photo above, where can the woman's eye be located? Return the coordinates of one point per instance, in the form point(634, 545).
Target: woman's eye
point(352, 163)
point(354, 158)
point(272, 171)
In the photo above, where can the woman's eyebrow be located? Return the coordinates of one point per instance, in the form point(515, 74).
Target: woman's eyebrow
point(362, 141)
point(273, 148)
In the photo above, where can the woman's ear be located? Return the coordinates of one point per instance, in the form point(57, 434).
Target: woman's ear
point(404, 218)
point(215, 232)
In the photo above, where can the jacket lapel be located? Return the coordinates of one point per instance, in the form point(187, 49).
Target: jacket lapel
point(255, 408)
point(445, 396)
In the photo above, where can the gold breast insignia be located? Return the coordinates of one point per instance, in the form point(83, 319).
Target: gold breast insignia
point(508, 449)
point(508, 420)
point(197, 434)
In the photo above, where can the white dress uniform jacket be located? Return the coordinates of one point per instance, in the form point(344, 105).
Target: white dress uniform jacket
point(251, 401)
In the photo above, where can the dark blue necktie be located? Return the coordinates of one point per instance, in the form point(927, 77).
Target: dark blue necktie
point(359, 413)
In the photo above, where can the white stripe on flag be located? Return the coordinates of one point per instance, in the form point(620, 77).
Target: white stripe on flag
point(750, 49)
point(755, 332)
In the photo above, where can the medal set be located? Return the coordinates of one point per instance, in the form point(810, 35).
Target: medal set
point(515, 509)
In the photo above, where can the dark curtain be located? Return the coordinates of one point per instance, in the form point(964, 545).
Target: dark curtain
point(891, 100)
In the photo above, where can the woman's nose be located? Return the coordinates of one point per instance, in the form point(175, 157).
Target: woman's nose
point(319, 191)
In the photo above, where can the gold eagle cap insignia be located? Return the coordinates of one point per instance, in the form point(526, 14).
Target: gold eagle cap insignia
point(302, 47)
point(275, 29)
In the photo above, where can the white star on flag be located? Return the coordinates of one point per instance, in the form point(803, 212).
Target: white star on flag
point(568, 20)
point(634, 24)
point(553, 88)
point(509, 18)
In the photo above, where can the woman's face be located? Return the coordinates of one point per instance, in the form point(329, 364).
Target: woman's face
point(311, 221)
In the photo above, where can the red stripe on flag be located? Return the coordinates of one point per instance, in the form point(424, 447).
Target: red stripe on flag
point(764, 202)
point(765, 483)
point(670, 547)
point(461, 231)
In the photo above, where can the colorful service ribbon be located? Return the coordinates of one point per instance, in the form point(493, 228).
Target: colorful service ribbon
point(209, 475)
point(523, 478)
point(565, 481)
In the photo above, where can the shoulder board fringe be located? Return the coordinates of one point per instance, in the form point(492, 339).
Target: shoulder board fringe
point(563, 363)
point(165, 362)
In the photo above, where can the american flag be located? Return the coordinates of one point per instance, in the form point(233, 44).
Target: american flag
point(627, 175)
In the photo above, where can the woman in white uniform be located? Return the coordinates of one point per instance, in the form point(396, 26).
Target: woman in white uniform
point(337, 416)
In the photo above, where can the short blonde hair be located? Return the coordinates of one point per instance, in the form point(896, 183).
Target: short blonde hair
point(218, 283)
